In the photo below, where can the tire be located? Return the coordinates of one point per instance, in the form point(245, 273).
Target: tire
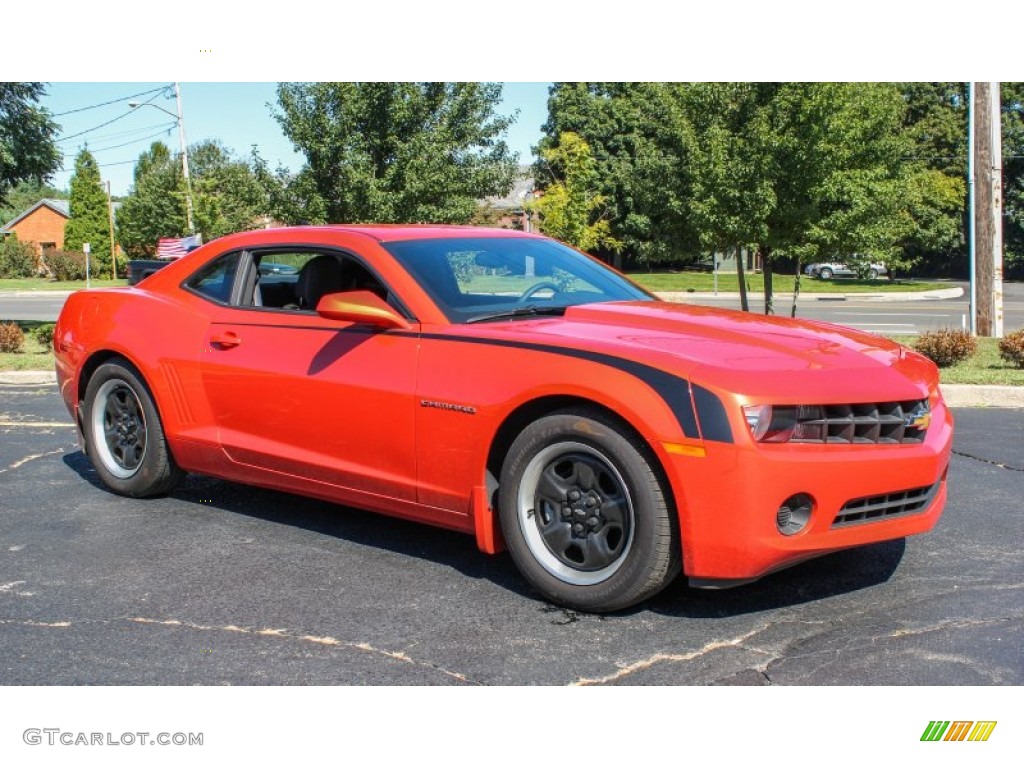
point(825, 274)
point(584, 515)
point(872, 274)
point(123, 434)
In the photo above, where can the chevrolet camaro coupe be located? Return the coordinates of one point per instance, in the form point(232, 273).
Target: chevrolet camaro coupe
point(507, 386)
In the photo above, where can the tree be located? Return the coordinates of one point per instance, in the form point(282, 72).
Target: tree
point(801, 171)
point(28, 149)
point(393, 152)
point(25, 194)
point(89, 222)
point(155, 205)
point(1013, 177)
point(571, 209)
point(228, 196)
point(640, 156)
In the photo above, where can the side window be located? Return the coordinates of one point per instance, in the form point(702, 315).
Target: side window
point(215, 280)
point(297, 280)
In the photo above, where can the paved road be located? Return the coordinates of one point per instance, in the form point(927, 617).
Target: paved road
point(885, 317)
point(219, 583)
point(891, 317)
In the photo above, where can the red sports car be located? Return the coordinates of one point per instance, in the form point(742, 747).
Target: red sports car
point(505, 385)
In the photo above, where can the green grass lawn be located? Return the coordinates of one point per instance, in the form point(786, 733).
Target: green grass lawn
point(985, 367)
point(727, 282)
point(33, 356)
point(45, 284)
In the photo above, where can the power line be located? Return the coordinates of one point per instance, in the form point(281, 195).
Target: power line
point(166, 129)
point(103, 125)
point(113, 101)
point(132, 132)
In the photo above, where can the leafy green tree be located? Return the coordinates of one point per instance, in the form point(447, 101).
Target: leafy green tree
point(571, 209)
point(89, 222)
point(1013, 178)
point(641, 160)
point(392, 152)
point(25, 194)
point(155, 205)
point(803, 171)
point(228, 196)
point(28, 148)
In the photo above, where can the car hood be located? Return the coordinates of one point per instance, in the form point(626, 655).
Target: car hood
point(758, 356)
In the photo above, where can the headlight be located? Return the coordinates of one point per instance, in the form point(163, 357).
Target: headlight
point(782, 423)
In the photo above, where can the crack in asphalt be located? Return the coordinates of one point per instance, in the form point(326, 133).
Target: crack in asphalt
point(29, 458)
point(661, 657)
point(952, 624)
point(309, 638)
point(988, 461)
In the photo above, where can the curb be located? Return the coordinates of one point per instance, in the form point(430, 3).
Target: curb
point(30, 294)
point(982, 396)
point(28, 377)
point(956, 395)
point(940, 293)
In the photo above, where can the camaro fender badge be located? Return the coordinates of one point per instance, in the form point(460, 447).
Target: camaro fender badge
point(448, 406)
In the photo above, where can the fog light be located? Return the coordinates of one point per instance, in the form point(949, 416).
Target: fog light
point(794, 514)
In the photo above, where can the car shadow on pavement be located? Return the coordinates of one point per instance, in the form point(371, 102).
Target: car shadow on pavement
point(839, 573)
point(412, 539)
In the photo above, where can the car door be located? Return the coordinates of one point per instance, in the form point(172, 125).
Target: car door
point(305, 396)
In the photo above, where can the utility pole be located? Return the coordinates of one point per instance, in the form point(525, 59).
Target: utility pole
point(184, 162)
point(988, 213)
point(110, 222)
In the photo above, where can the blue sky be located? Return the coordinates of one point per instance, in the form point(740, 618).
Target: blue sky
point(237, 114)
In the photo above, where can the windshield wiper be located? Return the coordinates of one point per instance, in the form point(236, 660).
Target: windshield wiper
point(518, 312)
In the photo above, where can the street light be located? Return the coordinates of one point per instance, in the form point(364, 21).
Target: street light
point(184, 151)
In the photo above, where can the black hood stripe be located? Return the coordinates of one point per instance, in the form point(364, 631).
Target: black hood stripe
point(674, 390)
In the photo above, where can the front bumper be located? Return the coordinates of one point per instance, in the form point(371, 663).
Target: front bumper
point(729, 499)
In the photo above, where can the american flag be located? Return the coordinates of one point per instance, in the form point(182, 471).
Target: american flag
point(176, 247)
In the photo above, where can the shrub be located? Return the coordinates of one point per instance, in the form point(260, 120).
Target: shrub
point(66, 265)
point(11, 337)
point(946, 346)
point(17, 259)
point(1011, 348)
point(44, 335)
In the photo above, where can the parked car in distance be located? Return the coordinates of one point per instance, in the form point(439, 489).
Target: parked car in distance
point(504, 385)
point(828, 270)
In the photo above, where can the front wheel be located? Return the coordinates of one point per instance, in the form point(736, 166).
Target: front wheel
point(123, 434)
point(584, 515)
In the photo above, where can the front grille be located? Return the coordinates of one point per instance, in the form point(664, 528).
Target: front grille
point(885, 423)
point(887, 506)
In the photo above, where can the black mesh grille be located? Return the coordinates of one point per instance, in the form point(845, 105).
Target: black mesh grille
point(885, 507)
point(887, 423)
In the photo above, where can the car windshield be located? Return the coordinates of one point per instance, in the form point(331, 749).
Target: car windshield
point(491, 278)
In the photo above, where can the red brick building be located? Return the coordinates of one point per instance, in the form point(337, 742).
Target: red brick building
point(42, 225)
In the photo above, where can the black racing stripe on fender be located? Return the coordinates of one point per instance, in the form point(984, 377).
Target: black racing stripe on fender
point(714, 423)
point(674, 390)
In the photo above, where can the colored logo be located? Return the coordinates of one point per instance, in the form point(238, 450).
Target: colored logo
point(958, 730)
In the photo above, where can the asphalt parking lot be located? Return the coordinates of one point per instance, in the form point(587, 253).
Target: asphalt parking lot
point(224, 584)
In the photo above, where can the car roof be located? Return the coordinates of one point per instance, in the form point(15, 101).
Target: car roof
point(394, 232)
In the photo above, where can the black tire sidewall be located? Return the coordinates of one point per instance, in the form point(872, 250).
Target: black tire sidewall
point(153, 472)
point(632, 581)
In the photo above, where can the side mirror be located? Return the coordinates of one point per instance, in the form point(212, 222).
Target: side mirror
point(360, 307)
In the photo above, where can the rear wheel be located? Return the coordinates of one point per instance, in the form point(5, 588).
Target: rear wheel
point(584, 515)
point(123, 434)
point(825, 273)
point(872, 274)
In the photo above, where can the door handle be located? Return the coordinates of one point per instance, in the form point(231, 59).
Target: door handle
point(226, 339)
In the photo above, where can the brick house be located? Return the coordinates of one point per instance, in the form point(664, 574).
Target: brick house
point(42, 225)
